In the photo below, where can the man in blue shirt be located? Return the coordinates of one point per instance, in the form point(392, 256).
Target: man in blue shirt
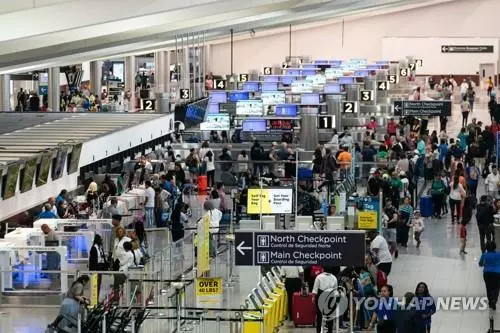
point(47, 213)
point(490, 260)
point(69, 313)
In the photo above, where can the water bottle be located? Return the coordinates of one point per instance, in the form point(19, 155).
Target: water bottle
point(324, 207)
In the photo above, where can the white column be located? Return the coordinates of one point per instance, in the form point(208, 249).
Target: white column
point(5, 93)
point(166, 74)
point(160, 71)
point(54, 88)
point(185, 65)
point(130, 72)
point(96, 77)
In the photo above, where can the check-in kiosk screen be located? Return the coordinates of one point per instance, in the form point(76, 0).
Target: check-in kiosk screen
point(309, 66)
point(372, 67)
point(269, 86)
point(330, 88)
point(293, 72)
point(213, 108)
point(316, 79)
point(332, 73)
point(43, 173)
point(271, 78)
point(215, 122)
point(74, 159)
point(59, 163)
point(302, 86)
point(382, 62)
point(10, 181)
point(310, 99)
point(28, 174)
point(254, 125)
point(335, 63)
point(363, 73)
point(236, 96)
point(272, 98)
point(195, 113)
point(287, 80)
point(251, 86)
point(307, 72)
point(280, 124)
point(346, 80)
point(249, 108)
point(217, 97)
point(286, 110)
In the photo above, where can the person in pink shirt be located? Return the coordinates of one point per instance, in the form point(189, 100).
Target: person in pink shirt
point(392, 127)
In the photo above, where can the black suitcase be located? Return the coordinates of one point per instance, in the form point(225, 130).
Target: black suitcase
point(469, 204)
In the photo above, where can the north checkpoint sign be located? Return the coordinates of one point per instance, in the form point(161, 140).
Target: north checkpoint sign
point(300, 248)
point(422, 108)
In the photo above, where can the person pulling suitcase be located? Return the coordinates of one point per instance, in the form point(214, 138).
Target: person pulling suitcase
point(325, 282)
point(294, 279)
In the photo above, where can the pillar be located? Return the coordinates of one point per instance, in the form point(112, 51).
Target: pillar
point(166, 75)
point(130, 73)
point(160, 71)
point(96, 77)
point(54, 87)
point(185, 66)
point(5, 93)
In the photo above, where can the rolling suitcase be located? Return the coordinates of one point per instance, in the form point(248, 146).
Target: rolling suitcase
point(467, 209)
point(303, 310)
point(426, 206)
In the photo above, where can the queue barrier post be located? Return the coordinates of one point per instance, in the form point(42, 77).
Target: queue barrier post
point(104, 326)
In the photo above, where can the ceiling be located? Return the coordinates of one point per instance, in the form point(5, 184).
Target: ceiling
point(139, 34)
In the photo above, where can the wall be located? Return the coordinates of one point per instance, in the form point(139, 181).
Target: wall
point(364, 37)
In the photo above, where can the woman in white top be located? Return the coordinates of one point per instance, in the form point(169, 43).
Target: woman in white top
point(208, 159)
point(325, 282)
point(242, 156)
point(457, 194)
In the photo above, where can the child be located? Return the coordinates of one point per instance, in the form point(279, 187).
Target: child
point(418, 226)
point(463, 237)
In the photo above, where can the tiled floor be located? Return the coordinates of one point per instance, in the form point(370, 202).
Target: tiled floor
point(437, 262)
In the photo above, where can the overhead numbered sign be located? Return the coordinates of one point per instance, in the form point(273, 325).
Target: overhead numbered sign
point(419, 62)
point(326, 122)
point(185, 93)
point(412, 66)
point(268, 70)
point(349, 107)
point(392, 79)
point(243, 77)
point(404, 72)
point(367, 95)
point(220, 84)
point(382, 85)
point(284, 65)
point(148, 104)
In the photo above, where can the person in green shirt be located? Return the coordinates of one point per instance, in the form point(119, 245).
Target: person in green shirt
point(438, 189)
point(397, 187)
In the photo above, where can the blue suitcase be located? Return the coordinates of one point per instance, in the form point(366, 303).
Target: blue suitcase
point(426, 206)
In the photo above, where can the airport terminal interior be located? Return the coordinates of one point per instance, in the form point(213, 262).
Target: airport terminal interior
point(265, 166)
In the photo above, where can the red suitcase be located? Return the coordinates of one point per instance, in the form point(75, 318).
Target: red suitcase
point(303, 310)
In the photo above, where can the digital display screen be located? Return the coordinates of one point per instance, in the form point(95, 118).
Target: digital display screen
point(316, 79)
point(276, 97)
point(293, 72)
point(288, 80)
point(323, 67)
point(217, 97)
point(374, 67)
point(254, 125)
point(195, 113)
point(362, 73)
point(74, 160)
point(251, 86)
point(331, 73)
point(43, 174)
point(9, 188)
point(332, 88)
point(359, 79)
point(310, 99)
point(309, 66)
point(59, 163)
point(282, 124)
point(213, 108)
point(286, 110)
point(307, 72)
point(249, 108)
point(335, 63)
point(269, 86)
point(235, 96)
point(320, 62)
point(346, 80)
point(215, 122)
point(28, 175)
point(302, 86)
point(382, 62)
point(271, 78)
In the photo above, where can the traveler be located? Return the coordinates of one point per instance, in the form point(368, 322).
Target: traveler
point(381, 253)
point(47, 212)
point(390, 230)
point(63, 195)
point(63, 210)
point(485, 219)
point(384, 314)
point(465, 107)
point(97, 260)
point(457, 195)
point(177, 222)
point(404, 222)
point(418, 226)
point(438, 192)
point(492, 182)
point(112, 209)
point(207, 158)
point(408, 319)
point(115, 222)
point(472, 173)
point(53, 258)
point(325, 282)
point(294, 279)
point(242, 157)
point(426, 305)
point(149, 203)
point(490, 260)
point(77, 288)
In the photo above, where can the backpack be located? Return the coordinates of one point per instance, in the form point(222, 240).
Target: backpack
point(190, 161)
point(316, 270)
point(381, 279)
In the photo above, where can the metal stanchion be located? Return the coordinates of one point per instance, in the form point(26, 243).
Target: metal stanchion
point(179, 309)
point(104, 322)
point(351, 313)
point(217, 320)
point(132, 324)
point(79, 323)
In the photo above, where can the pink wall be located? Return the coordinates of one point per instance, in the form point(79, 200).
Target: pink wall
point(362, 37)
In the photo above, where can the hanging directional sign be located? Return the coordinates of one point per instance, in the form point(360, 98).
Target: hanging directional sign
point(419, 62)
point(366, 95)
point(467, 49)
point(422, 108)
point(284, 65)
point(300, 248)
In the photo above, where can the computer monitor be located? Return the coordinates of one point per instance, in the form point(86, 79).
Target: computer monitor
point(332, 88)
point(372, 67)
point(235, 96)
point(362, 73)
point(253, 300)
point(249, 108)
point(346, 80)
point(250, 86)
point(310, 99)
point(286, 110)
point(212, 108)
point(217, 97)
point(27, 175)
point(272, 97)
point(254, 125)
point(293, 72)
point(287, 80)
point(309, 66)
point(266, 292)
point(306, 72)
point(272, 279)
point(258, 295)
point(215, 122)
point(271, 78)
point(269, 86)
point(10, 181)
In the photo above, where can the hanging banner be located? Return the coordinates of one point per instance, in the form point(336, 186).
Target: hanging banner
point(208, 292)
point(94, 289)
point(203, 248)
